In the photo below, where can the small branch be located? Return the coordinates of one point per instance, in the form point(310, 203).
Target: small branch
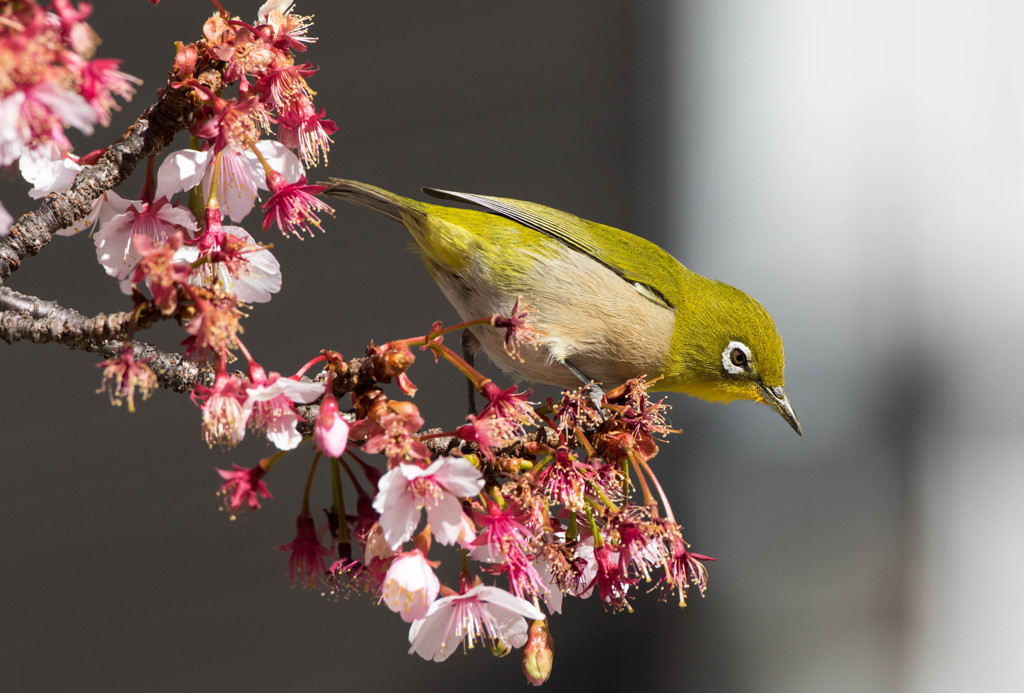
point(41, 322)
point(29, 318)
point(173, 371)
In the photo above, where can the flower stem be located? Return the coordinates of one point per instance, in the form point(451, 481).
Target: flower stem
point(309, 484)
point(661, 491)
point(339, 503)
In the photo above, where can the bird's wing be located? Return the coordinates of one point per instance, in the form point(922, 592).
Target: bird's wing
point(613, 248)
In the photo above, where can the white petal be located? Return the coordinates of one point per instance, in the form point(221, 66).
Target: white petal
point(236, 186)
point(435, 637)
point(113, 245)
point(399, 512)
point(511, 628)
point(269, 6)
point(298, 391)
point(5, 221)
point(283, 431)
point(553, 596)
point(445, 519)
point(48, 170)
point(506, 600)
point(410, 586)
point(459, 476)
point(333, 440)
point(264, 273)
point(178, 216)
point(180, 171)
point(281, 159)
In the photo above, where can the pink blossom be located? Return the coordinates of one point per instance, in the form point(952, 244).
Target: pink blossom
point(269, 405)
point(408, 488)
point(214, 327)
point(395, 437)
point(508, 406)
point(242, 488)
point(241, 175)
point(101, 81)
point(289, 29)
point(564, 479)
point(481, 613)
point(223, 416)
point(506, 541)
point(157, 220)
point(122, 375)
point(253, 274)
point(331, 429)
point(489, 432)
point(38, 114)
point(306, 564)
point(611, 580)
point(162, 275)
point(684, 568)
point(307, 131)
point(293, 207)
point(410, 585)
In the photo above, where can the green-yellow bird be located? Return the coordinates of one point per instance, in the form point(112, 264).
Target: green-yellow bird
point(609, 305)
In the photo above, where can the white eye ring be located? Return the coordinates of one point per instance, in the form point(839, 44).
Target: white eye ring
point(727, 363)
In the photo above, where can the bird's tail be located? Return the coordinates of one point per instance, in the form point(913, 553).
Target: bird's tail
point(379, 200)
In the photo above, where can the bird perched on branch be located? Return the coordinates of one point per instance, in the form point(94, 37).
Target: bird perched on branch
point(610, 306)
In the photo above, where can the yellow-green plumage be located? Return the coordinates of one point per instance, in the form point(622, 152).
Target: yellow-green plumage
point(609, 305)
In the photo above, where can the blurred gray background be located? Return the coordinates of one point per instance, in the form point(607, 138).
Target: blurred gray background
point(856, 166)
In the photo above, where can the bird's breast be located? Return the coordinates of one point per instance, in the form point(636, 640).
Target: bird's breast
point(584, 313)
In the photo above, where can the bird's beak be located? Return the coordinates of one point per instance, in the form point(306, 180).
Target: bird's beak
point(777, 400)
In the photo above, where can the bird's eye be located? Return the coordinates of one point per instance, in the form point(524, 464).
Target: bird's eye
point(736, 358)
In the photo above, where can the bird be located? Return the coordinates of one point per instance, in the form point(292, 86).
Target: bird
point(609, 305)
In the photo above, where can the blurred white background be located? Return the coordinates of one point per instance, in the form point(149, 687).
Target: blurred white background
point(860, 167)
point(856, 166)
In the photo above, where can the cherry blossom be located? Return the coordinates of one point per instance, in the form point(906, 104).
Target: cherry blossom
point(242, 488)
point(408, 488)
point(223, 416)
point(306, 565)
point(410, 585)
point(123, 375)
point(254, 278)
point(157, 220)
point(241, 175)
point(269, 405)
point(481, 613)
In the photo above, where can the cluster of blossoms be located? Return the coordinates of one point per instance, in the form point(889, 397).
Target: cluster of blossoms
point(538, 502)
point(230, 161)
point(49, 80)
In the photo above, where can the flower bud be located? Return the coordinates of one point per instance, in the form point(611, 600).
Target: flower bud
point(539, 654)
point(390, 360)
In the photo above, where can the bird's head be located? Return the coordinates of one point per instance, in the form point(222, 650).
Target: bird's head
point(726, 348)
